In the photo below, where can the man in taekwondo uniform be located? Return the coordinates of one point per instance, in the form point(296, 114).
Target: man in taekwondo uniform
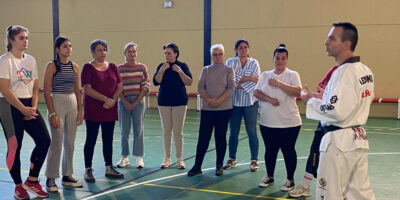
point(343, 110)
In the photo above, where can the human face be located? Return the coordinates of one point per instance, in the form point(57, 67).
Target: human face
point(100, 53)
point(280, 60)
point(218, 56)
point(65, 49)
point(170, 55)
point(334, 45)
point(20, 41)
point(131, 54)
point(242, 50)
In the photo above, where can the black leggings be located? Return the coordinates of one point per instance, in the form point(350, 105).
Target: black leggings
point(14, 133)
point(208, 121)
point(284, 139)
point(107, 133)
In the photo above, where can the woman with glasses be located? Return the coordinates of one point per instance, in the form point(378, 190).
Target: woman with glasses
point(172, 76)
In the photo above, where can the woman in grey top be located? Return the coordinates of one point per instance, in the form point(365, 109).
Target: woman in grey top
point(216, 85)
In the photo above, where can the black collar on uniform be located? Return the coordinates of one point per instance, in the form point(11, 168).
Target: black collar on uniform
point(351, 60)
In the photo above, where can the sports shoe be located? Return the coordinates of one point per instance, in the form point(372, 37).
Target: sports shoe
point(123, 162)
point(219, 171)
point(20, 192)
point(71, 181)
point(266, 182)
point(194, 171)
point(166, 163)
point(139, 162)
point(35, 188)
point(111, 172)
point(51, 185)
point(253, 166)
point(300, 191)
point(231, 163)
point(289, 185)
point(89, 175)
point(180, 163)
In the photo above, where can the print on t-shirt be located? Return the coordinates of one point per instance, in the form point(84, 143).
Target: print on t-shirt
point(24, 75)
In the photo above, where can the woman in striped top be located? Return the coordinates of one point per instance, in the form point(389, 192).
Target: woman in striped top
point(63, 98)
point(135, 84)
point(245, 105)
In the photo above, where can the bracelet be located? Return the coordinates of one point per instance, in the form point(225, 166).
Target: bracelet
point(52, 114)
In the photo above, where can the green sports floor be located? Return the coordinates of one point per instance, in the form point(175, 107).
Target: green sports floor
point(151, 182)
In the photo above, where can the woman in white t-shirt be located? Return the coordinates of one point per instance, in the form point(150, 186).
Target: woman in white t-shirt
point(280, 120)
point(18, 104)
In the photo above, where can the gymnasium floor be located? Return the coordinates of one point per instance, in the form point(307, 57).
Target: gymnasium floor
point(152, 182)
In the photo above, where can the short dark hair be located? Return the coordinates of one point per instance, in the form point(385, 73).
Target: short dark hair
point(240, 41)
point(13, 31)
point(174, 48)
point(96, 42)
point(350, 33)
point(280, 49)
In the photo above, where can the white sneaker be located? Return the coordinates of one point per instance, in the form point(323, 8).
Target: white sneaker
point(289, 185)
point(123, 162)
point(180, 163)
point(166, 163)
point(300, 191)
point(139, 162)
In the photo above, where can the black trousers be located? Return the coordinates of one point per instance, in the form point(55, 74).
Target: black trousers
point(210, 120)
point(284, 139)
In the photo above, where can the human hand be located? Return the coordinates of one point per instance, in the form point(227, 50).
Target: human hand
point(164, 67)
point(54, 121)
point(274, 102)
point(79, 119)
point(176, 68)
point(273, 82)
point(254, 78)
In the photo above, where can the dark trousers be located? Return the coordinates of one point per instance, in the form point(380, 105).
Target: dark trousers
point(208, 121)
point(313, 158)
point(107, 133)
point(284, 139)
point(36, 128)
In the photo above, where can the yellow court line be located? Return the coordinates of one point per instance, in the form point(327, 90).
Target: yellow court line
point(215, 191)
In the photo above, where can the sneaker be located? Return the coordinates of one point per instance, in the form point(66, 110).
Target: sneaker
point(111, 172)
point(89, 175)
point(253, 166)
point(300, 191)
point(51, 185)
point(166, 163)
point(231, 163)
point(139, 162)
point(20, 192)
point(219, 171)
point(123, 162)
point(35, 188)
point(71, 181)
point(181, 164)
point(194, 171)
point(289, 185)
point(266, 182)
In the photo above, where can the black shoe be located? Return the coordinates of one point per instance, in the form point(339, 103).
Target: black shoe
point(71, 181)
point(111, 172)
point(89, 175)
point(219, 171)
point(194, 171)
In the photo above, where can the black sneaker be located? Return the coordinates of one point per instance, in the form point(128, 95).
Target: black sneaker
point(289, 185)
point(111, 172)
point(194, 171)
point(219, 171)
point(51, 185)
point(71, 181)
point(267, 181)
point(89, 175)
point(231, 163)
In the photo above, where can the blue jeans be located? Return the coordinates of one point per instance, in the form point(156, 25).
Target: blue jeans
point(250, 119)
point(134, 118)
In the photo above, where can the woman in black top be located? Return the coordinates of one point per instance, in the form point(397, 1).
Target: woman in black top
point(172, 76)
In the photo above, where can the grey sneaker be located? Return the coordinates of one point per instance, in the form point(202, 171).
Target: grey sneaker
point(71, 181)
point(124, 162)
point(180, 163)
point(300, 191)
point(51, 185)
point(289, 185)
point(166, 163)
point(231, 163)
point(111, 172)
point(89, 175)
point(254, 166)
point(266, 182)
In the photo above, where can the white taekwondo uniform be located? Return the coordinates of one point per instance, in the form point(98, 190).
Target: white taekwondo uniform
point(343, 110)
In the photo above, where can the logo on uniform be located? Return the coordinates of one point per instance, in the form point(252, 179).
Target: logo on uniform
point(322, 182)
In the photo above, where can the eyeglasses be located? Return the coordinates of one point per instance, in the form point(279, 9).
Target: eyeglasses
point(217, 54)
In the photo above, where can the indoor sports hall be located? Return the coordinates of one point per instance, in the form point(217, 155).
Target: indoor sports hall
point(195, 25)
